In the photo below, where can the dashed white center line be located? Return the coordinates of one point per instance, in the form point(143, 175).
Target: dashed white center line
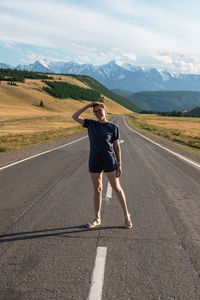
point(96, 288)
point(108, 193)
point(109, 188)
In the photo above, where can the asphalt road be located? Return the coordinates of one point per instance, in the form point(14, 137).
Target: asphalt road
point(47, 253)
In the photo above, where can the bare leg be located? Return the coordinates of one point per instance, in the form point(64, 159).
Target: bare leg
point(97, 186)
point(115, 184)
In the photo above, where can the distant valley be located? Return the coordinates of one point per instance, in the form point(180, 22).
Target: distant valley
point(163, 100)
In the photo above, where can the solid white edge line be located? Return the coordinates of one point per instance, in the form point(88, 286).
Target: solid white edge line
point(36, 155)
point(170, 151)
point(96, 287)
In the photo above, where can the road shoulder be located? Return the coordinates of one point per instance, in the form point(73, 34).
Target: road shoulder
point(173, 146)
point(15, 155)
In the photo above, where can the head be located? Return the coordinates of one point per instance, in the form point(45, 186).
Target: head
point(100, 111)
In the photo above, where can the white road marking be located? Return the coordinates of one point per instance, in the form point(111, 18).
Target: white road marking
point(108, 193)
point(172, 152)
point(109, 188)
point(96, 288)
point(22, 160)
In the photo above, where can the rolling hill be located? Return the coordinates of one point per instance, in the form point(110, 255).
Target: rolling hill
point(97, 86)
point(91, 90)
point(163, 100)
point(24, 122)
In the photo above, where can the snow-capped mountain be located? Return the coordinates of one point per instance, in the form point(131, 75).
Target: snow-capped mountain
point(5, 66)
point(126, 77)
point(43, 65)
point(131, 67)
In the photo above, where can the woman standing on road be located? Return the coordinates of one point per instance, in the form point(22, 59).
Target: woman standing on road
point(105, 155)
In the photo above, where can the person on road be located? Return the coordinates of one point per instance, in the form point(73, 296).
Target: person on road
point(105, 155)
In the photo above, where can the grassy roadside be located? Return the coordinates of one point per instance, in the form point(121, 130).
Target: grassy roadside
point(16, 141)
point(185, 131)
point(42, 130)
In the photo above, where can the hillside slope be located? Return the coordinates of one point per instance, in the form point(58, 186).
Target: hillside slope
point(25, 99)
point(163, 100)
point(64, 87)
point(97, 86)
point(24, 122)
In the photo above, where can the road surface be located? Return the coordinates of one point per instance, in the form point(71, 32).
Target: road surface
point(47, 253)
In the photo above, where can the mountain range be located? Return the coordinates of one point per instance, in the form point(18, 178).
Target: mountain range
point(125, 77)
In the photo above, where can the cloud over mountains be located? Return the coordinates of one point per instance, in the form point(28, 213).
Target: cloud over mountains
point(150, 34)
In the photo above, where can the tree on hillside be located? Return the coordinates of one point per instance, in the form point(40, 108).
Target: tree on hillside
point(41, 104)
point(66, 90)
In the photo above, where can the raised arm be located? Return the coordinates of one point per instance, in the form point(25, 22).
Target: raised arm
point(77, 115)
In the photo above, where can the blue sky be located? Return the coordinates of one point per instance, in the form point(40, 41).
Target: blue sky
point(156, 33)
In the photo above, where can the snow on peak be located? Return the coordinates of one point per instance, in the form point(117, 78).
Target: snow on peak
point(45, 62)
point(131, 67)
point(167, 75)
point(112, 63)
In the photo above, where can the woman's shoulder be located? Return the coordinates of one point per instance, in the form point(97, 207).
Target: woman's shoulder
point(112, 124)
point(88, 122)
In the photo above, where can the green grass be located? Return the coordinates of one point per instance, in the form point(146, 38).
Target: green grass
point(166, 100)
point(10, 142)
point(4, 148)
point(100, 88)
point(171, 134)
point(16, 141)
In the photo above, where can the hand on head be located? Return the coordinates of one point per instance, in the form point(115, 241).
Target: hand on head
point(94, 103)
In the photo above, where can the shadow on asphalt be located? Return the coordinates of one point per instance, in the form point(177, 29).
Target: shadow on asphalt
point(19, 236)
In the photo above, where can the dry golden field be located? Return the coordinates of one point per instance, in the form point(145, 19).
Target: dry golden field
point(23, 122)
point(184, 130)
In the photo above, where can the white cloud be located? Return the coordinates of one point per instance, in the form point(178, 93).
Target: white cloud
point(164, 58)
point(130, 56)
point(178, 62)
point(10, 46)
point(31, 57)
point(130, 31)
point(64, 25)
point(117, 55)
point(82, 59)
